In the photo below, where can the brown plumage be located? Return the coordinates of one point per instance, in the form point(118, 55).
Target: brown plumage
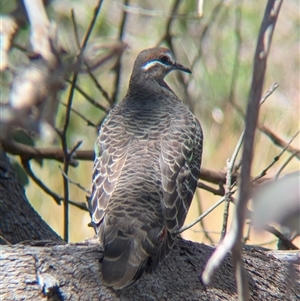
point(148, 157)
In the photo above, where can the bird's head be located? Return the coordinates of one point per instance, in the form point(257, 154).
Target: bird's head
point(155, 63)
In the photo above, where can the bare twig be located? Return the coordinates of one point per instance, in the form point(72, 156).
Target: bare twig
point(99, 86)
point(75, 183)
point(89, 123)
point(229, 186)
point(90, 99)
point(63, 132)
point(199, 218)
point(76, 34)
point(219, 191)
point(27, 167)
point(264, 172)
point(47, 190)
point(104, 93)
point(118, 66)
point(271, 90)
point(214, 176)
point(206, 233)
point(232, 240)
point(289, 159)
point(279, 141)
point(235, 71)
point(279, 235)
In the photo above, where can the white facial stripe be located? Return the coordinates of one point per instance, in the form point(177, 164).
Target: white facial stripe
point(155, 62)
point(151, 64)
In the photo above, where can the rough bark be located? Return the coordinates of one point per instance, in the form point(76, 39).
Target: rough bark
point(72, 272)
point(51, 270)
point(18, 220)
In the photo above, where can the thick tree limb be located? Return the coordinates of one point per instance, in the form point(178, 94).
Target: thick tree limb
point(72, 272)
point(18, 220)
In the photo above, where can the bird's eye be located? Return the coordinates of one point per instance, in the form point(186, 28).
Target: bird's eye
point(165, 60)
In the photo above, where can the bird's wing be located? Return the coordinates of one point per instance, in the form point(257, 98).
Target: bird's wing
point(180, 160)
point(111, 152)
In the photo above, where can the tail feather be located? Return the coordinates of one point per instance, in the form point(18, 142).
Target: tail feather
point(125, 258)
point(119, 267)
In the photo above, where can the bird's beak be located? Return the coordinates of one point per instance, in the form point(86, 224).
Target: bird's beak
point(180, 67)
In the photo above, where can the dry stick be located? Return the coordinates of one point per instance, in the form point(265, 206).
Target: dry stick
point(247, 237)
point(118, 66)
point(232, 240)
point(279, 235)
point(27, 168)
point(229, 186)
point(275, 138)
point(264, 172)
point(76, 32)
point(219, 191)
point(63, 132)
point(56, 197)
point(230, 168)
point(206, 234)
point(199, 218)
point(285, 164)
point(104, 93)
point(75, 183)
point(89, 123)
point(90, 99)
point(279, 141)
point(236, 65)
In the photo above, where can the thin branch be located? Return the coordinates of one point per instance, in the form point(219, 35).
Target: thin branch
point(279, 235)
point(90, 99)
point(219, 191)
point(56, 197)
point(74, 148)
point(63, 132)
point(80, 205)
point(89, 123)
point(216, 177)
point(199, 218)
point(229, 186)
point(279, 141)
point(76, 34)
point(264, 172)
point(289, 159)
point(75, 183)
point(236, 65)
point(206, 233)
point(27, 168)
point(104, 93)
point(232, 240)
point(271, 90)
point(118, 66)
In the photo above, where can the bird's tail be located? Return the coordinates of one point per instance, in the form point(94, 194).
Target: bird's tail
point(125, 257)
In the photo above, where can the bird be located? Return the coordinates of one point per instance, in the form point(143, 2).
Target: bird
point(147, 164)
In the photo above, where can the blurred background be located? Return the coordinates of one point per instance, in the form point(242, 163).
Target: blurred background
point(217, 39)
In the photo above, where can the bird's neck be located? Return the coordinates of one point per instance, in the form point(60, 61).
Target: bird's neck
point(147, 84)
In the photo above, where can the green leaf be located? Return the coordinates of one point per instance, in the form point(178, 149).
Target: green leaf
point(21, 174)
point(21, 136)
